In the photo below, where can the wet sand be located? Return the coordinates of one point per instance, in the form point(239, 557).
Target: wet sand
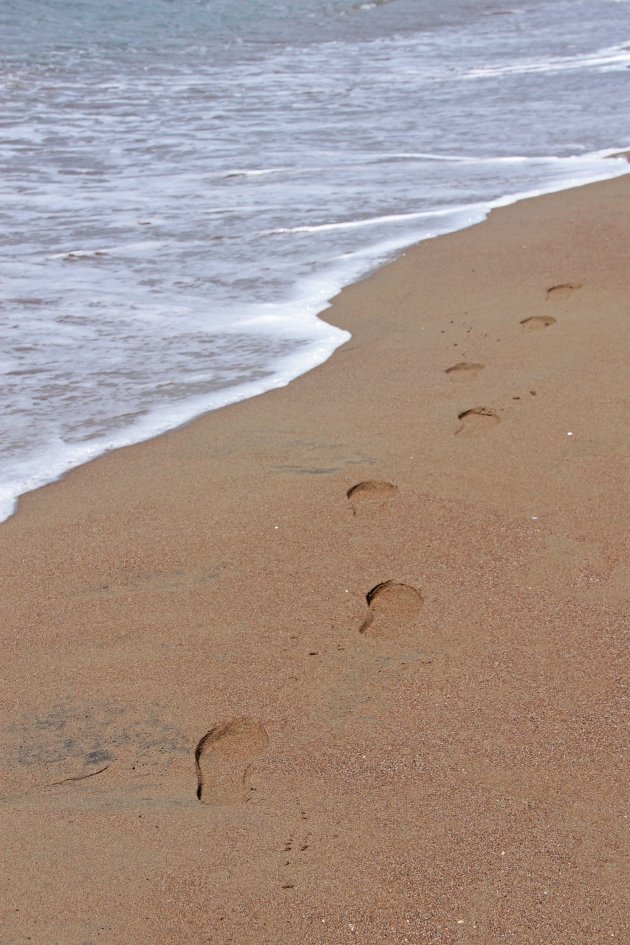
point(241, 706)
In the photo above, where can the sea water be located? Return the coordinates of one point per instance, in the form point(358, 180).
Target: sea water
point(186, 183)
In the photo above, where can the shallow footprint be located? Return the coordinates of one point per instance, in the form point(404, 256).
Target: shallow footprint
point(563, 290)
point(223, 759)
point(476, 419)
point(536, 322)
point(371, 491)
point(464, 369)
point(392, 607)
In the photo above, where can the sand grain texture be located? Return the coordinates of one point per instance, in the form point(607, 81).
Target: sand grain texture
point(197, 742)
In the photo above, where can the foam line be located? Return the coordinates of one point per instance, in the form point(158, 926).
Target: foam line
point(359, 224)
point(617, 57)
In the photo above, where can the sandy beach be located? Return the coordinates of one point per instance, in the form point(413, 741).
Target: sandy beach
point(241, 705)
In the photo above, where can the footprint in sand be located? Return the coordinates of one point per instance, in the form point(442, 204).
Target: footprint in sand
point(293, 849)
point(477, 419)
point(564, 290)
point(392, 608)
point(464, 369)
point(223, 759)
point(536, 322)
point(369, 492)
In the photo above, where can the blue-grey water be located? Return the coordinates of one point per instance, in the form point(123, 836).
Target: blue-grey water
point(185, 183)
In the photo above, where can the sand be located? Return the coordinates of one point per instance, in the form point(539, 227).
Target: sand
point(241, 706)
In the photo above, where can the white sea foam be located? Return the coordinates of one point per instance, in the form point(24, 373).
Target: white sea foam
point(612, 58)
point(359, 224)
point(371, 4)
point(262, 172)
point(82, 253)
point(56, 457)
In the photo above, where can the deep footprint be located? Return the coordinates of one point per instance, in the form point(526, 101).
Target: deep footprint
point(223, 759)
point(477, 418)
point(464, 368)
point(371, 490)
point(563, 290)
point(536, 322)
point(392, 608)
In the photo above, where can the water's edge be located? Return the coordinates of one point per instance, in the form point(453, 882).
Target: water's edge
point(614, 163)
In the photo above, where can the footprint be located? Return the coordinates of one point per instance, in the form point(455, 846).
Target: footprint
point(223, 759)
point(563, 290)
point(464, 368)
point(291, 854)
point(536, 322)
point(392, 607)
point(371, 490)
point(477, 418)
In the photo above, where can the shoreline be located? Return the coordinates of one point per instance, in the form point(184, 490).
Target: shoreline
point(222, 727)
point(474, 214)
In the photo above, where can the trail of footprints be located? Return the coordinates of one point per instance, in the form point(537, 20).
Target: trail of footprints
point(225, 755)
point(477, 419)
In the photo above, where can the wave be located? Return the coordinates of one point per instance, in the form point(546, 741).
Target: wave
point(58, 457)
point(262, 172)
point(611, 58)
point(455, 210)
point(359, 224)
point(370, 5)
point(469, 159)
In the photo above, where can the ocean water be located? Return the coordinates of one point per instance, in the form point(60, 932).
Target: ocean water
point(186, 183)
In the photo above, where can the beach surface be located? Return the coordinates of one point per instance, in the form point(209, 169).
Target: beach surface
point(239, 705)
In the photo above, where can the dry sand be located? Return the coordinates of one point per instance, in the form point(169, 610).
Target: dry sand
point(221, 724)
